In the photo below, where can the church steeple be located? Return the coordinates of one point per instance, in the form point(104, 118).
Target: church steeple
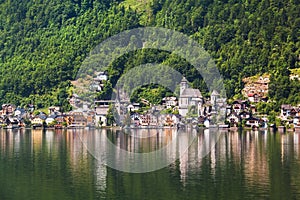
point(183, 85)
point(214, 96)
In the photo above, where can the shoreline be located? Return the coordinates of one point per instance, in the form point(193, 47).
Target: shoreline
point(296, 129)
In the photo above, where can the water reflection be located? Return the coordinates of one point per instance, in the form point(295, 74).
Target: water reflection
point(259, 163)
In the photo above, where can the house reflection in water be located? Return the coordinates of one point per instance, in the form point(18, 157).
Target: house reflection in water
point(193, 147)
point(256, 161)
point(37, 140)
point(82, 144)
point(297, 145)
point(252, 154)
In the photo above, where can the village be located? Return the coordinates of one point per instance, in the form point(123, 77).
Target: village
point(190, 109)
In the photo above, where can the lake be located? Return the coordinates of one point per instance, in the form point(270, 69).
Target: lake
point(82, 164)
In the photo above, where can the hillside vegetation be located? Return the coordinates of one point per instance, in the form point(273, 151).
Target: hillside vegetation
point(43, 42)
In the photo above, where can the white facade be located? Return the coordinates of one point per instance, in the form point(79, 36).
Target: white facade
point(102, 76)
point(49, 120)
point(100, 120)
point(189, 97)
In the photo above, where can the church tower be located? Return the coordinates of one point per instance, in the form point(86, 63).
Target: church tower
point(214, 96)
point(183, 85)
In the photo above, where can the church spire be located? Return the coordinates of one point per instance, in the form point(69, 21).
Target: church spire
point(183, 85)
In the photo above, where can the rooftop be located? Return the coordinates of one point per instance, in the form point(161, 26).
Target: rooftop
point(190, 92)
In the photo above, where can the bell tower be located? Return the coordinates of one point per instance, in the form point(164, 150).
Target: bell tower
point(183, 85)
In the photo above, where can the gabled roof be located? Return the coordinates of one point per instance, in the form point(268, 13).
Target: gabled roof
point(244, 112)
point(238, 101)
point(286, 106)
point(215, 93)
point(12, 120)
point(294, 110)
point(169, 99)
point(233, 113)
point(52, 116)
point(190, 92)
point(253, 118)
point(22, 110)
point(42, 116)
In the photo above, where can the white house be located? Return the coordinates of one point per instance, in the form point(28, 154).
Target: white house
point(252, 122)
point(19, 112)
point(285, 111)
point(102, 76)
point(101, 120)
point(169, 101)
point(101, 110)
point(133, 107)
point(233, 118)
point(53, 109)
point(244, 115)
point(50, 119)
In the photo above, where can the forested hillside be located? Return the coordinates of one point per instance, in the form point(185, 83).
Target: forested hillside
point(43, 42)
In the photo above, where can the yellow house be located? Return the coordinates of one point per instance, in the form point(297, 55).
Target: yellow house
point(37, 120)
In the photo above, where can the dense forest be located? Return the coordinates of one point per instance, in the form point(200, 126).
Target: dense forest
point(44, 42)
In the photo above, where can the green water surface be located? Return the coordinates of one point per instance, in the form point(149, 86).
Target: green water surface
point(54, 164)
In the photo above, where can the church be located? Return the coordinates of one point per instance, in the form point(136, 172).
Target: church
point(189, 97)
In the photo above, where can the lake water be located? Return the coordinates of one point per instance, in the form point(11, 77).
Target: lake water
point(68, 164)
